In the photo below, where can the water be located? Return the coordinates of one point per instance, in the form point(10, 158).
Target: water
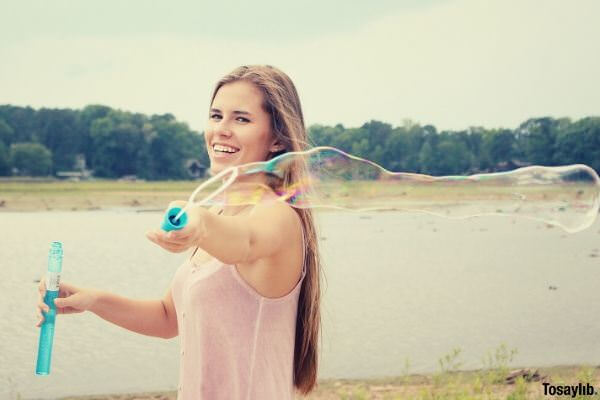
point(398, 287)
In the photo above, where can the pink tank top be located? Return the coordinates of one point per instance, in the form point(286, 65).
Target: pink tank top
point(235, 343)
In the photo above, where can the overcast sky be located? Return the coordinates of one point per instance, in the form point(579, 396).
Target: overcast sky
point(451, 63)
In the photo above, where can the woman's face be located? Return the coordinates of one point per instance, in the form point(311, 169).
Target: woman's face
point(238, 129)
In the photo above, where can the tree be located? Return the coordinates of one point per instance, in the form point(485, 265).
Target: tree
point(171, 144)
point(31, 159)
point(58, 132)
point(118, 139)
point(4, 160)
point(6, 133)
point(537, 137)
point(500, 146)
point(579, 143)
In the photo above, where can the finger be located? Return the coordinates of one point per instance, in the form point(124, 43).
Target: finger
point(63, 302)
point(151, 237)
point(180, 235)
point(43, 306)
point(40, 318)
point(156, 235)
point(70, 310)
point(176, 246)
point(169, 240)
point(68, 289)
point(42, 286)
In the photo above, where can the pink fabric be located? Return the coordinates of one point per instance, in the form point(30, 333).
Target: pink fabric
point(235, 343)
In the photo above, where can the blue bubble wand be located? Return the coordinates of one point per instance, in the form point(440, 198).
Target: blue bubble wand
point(44, 355)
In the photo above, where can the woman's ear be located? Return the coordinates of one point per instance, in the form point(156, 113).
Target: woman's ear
point(276, 147)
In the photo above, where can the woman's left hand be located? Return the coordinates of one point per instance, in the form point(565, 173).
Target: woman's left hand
point(178, 241)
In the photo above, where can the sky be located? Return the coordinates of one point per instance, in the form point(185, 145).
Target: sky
point(450, 63)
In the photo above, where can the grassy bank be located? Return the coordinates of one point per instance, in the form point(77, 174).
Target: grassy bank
point(482, 384)
point(494, 381)
point(102, 194)
point(91, 195)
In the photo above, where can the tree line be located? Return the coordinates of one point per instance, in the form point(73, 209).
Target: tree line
point(115, 143)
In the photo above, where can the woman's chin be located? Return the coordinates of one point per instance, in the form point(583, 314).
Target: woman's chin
point(217, 167)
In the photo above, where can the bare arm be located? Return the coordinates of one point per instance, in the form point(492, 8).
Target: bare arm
point(147, 317)
point(235, 239)
point(249, 237)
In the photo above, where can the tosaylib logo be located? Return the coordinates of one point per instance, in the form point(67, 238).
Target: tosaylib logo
point(569, 390)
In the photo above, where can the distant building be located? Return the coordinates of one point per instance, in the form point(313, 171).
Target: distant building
point(79, 171)
point(130, 178)
point(510, 165)
point(74, 175)
point(195, 168)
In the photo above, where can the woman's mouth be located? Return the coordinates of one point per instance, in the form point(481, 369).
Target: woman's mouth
point(220, 150)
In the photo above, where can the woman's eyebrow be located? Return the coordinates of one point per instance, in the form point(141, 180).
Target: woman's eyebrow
point(239, 112)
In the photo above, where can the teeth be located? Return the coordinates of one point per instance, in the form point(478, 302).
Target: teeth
point(227, 149)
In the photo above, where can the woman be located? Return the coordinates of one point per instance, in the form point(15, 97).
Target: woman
point(246, 302)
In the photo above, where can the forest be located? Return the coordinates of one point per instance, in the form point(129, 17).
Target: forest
point(111, 143)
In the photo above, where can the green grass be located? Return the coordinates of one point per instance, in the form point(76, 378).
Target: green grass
point(65, 195)
point(449, 382)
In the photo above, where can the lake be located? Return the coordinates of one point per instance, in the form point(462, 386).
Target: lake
point(399, 288)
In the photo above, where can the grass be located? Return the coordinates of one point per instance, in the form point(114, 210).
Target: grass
point(93, 195)
point(452, 385)
point(449, 382)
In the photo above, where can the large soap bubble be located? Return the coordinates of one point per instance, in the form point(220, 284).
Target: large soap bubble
point(325, 177)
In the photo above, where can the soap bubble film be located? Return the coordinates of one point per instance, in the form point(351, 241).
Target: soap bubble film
point(328, 178)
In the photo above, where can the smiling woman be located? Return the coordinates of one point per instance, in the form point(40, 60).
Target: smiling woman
point(246, 302)
point(239, 127)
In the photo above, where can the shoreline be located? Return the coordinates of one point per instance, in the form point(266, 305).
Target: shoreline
point(19, 196)
point(526, 383)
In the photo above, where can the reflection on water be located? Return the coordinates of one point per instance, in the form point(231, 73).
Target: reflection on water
point(398, 287)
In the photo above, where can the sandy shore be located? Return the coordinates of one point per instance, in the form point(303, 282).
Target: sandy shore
point(490, 384)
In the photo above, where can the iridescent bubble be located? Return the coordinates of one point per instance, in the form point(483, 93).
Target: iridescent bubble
point(325, 177)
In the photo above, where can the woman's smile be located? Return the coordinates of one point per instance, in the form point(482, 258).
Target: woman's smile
point(223, 151)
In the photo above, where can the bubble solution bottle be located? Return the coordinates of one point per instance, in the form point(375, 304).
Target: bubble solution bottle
point(52, 289)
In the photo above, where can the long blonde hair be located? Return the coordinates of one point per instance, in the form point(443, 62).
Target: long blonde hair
point(282, 103)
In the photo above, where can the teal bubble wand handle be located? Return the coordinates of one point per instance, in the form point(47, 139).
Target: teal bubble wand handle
point(44, 355)
point(176, 219)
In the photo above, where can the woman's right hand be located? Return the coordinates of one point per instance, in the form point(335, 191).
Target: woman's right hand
point(70, 300)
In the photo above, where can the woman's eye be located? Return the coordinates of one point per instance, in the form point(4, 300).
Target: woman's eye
point(241, 119)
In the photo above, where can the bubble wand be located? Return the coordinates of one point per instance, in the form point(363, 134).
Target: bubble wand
point(44, 355)
point(176, 218)
point(565, 196)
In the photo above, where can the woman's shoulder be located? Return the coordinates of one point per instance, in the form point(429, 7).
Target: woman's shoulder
point(278, 213)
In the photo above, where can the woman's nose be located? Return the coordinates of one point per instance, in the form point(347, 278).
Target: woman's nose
point(222, 129)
